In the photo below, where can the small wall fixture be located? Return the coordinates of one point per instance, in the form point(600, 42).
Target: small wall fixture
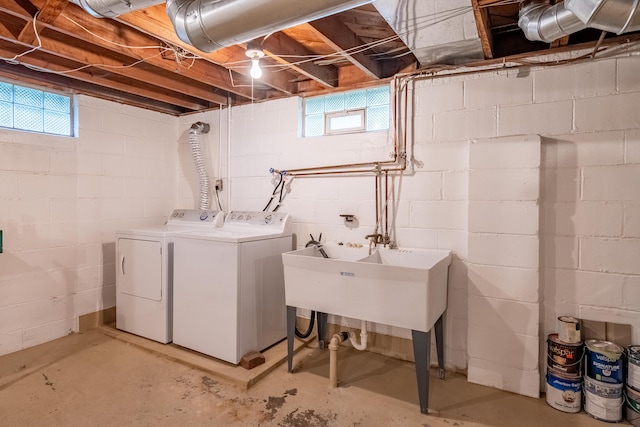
point(255, 54)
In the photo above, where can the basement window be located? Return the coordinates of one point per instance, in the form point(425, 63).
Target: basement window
point(29, 109)
point(362, 110)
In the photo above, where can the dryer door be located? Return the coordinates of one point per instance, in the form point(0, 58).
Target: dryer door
point(139, 266)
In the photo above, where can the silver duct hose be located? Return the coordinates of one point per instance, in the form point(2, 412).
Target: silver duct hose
point(113, 8)
point(213, 24)
point(541, 21)
point(196, 130)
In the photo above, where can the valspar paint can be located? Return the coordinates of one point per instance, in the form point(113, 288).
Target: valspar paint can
point(603, 360)
point(603, 400)
point(633, 367)
point(569, 329)
point(564, 357)
point(564, 392)
point(632, 409)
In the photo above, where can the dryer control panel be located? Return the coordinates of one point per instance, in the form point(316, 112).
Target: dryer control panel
point(209, 217)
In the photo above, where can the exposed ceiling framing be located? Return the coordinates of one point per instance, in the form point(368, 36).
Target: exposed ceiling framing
point(138, 59)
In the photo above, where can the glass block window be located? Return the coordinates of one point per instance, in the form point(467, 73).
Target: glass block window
point(34, 110)
point(361, 110)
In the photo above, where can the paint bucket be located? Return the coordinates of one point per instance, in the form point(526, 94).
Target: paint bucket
point(564, 392)
point(564, 357)
point(604, 362)
point(603, 401)
point(569, 329)
point(632, 399)
point(633, 367)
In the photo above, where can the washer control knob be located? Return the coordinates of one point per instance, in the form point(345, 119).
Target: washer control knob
point(203, 216)
point(268, 219)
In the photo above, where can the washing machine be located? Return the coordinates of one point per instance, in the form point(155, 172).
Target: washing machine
point(229, 285)
point(144, 272)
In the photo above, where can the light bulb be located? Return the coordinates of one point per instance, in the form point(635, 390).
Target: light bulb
point(256, 71)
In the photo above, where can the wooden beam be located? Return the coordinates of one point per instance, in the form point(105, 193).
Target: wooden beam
point(55, 64)
point(481, 15)
point(337, 35)
point(62, 83)
point(84, 54)
point(114, 36)
point(4, 31)
point(46, 15)
point(155, 22)
point(287, 51)
point(562, 41)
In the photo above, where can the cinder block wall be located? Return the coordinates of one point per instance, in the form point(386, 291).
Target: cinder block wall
point(61, 200)
point(582, 223)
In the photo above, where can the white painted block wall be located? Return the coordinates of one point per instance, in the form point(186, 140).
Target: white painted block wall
point(504, 188)
point(582, 252)
point(61, 200)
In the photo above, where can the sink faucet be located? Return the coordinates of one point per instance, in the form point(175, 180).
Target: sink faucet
point(375, 238)
point(378, 238)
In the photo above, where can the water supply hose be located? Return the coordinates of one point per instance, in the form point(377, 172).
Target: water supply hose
point(196, 130)
point(275, 190)
point(317, 244)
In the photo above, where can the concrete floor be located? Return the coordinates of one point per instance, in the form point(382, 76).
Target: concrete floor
point(108, 378)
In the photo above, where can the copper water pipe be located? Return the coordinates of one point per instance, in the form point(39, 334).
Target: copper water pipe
point(377, 177)
point(345, 172)
point(395, 154)
point(347, 165)
point(386, 207)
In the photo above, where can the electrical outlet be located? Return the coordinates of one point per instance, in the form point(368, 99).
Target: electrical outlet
point(218, 185)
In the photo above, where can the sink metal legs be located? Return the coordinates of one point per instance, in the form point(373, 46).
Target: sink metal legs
point(421, 351)
point(422, 355)
point(291, 335)
point(321, 319)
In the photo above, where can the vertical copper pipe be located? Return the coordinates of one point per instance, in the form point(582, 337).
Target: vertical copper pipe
point(386, 205)
point(377, 204)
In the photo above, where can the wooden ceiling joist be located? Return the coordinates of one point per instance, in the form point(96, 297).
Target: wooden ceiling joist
point(484, 30)
point(337, 35)
point(155, 21)
point(42, 60)
point(287, 51)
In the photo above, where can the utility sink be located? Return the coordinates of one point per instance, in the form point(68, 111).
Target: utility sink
point(399, 287)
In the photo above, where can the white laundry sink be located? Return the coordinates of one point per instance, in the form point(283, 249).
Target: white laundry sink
point(399, 287)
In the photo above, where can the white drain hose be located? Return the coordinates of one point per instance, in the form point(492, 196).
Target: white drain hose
point(196, 130)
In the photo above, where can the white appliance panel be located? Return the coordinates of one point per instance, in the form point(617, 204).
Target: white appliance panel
point(205, 296)
point(229, 285)
point(140, 268)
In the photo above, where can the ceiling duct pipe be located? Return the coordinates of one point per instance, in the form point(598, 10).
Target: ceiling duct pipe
point(113, 8)
point(213, 24)
point(541, 21)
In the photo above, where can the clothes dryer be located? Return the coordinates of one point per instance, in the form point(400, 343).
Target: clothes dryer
point(144, 272)
point(229, 285)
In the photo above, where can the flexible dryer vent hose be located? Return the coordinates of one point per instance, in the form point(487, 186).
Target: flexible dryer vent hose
point(196, 130)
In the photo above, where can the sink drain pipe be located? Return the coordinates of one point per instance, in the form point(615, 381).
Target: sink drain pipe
point(363, 337)
point(334, 344)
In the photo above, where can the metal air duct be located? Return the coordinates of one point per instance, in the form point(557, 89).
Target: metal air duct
point(213, 24)
point(113, 8)
point(542, 22)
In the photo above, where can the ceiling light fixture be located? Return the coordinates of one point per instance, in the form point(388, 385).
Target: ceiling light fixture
point(255, 54)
